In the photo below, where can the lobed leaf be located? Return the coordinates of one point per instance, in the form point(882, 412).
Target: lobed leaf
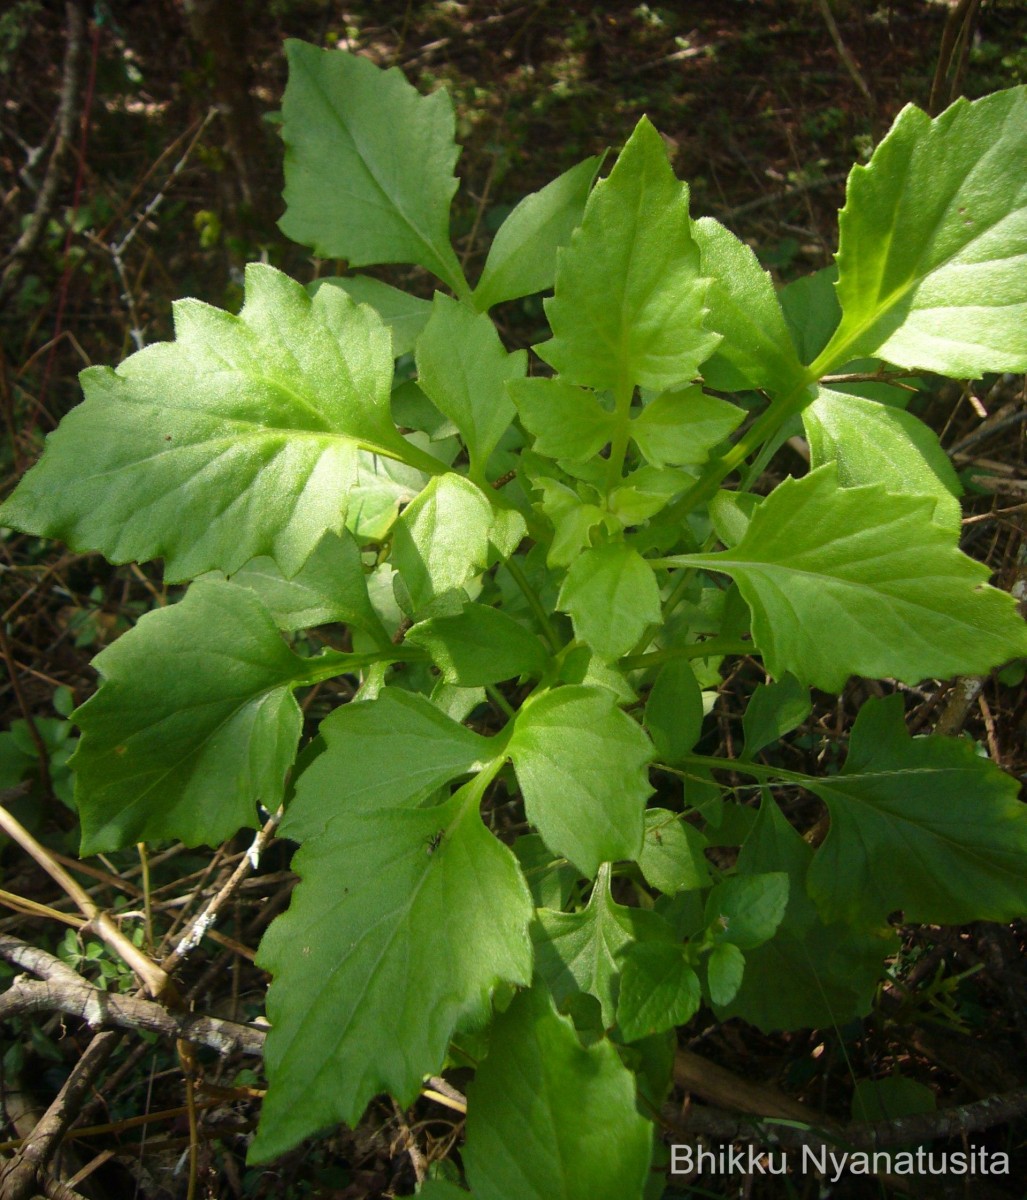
point(580, 763)
point(368, 163)
point(237, 440)
point(522, 257)
point(549, 1119)
point(756, 350)
point(924, 825)
point(441, 540)
point(392, 751)
point(194, 723)
point(630, 297)
point(581, 951)
point(861, 581)
point(876, 443)
point(932, 241)
point(612, 597)
point(369, 983)
point(330, 586)
point(811, 973)
point(464, 370)
point(658, 990)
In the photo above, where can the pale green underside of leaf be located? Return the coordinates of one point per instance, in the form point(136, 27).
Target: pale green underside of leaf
point(193, 725)
point(611, 595)
point(368, 163)
point(876, 443)
point(581, 766)
point(369, 982)
point(932, 259)
point(522, 257)
point(237, 440)
point(924, 825)
point(463, 368)
point(756, 350)
point(861, 581)
point(630, 300)
point(549, 1119)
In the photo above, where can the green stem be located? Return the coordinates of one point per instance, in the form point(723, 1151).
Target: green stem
point(760, 431)
point(711, 648)
point(622, 396)
point(500, 701)
point(330, 663)
point(757, 770)
point(534, 603)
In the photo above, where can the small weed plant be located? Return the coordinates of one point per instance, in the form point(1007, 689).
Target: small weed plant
point(542, 575)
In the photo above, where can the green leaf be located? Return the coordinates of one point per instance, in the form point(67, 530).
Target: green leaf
point(919, 824)
point(658, 990)
point(745, 910)
point(580, 951)
point(522, 257)
point(237, 440)
point(810, 306)
point(464, 370)
point(672, 858)
point(932, 239)
point(611, 595)
point(876, 443)
point(369, 983)
point(368, 164)
point(725, 968)
point(405, 315)
point(566, 421)
point(674, 711)
point(548, 1119)
point(774, 709)
point(481, 645)
point(810, 974)
point(581, 766)
point(396, 749)
point(756, 351)
point(193, 724)
point(860, 581)
point(550, 877)
point(331, 586)
point(681, 428)
point(442, 539)
point(629, 300)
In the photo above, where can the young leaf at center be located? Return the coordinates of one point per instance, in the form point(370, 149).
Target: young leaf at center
point(629, 299)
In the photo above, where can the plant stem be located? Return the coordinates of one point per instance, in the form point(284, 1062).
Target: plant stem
point(534, 603)
point(622, 395)
point(757, 770)
point(760, 431)
point(711, 648)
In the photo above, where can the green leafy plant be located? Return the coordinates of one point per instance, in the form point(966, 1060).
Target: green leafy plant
point(540, 575)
